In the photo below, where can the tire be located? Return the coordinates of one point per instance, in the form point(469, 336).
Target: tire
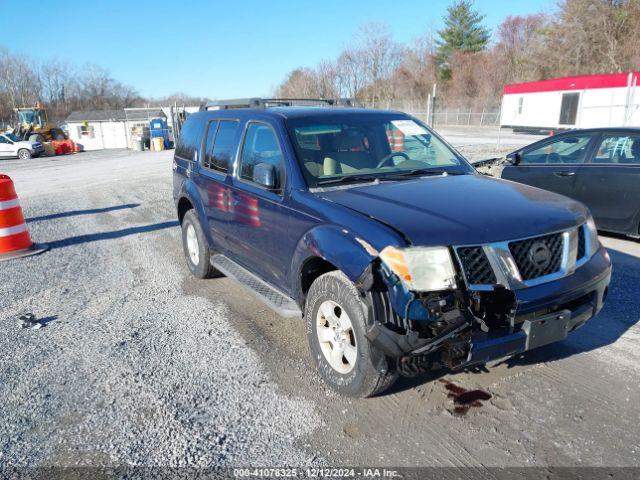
point(196, 247)
point(24, 154)
point(363, 370)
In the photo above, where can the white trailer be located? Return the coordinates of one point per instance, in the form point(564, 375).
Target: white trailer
point(586, 101)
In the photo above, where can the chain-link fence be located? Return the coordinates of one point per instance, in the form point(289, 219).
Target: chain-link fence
point(443, 115)
point(458, 116)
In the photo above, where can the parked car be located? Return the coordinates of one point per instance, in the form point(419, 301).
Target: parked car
point(599, 167)
point(12, 146)
point(395, 251)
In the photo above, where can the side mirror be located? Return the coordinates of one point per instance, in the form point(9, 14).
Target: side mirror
point(514, 158)
point(265, 174)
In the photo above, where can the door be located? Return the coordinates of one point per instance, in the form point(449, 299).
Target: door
point(220, 146)
point(609, 182)
point(7, 148)
point(113, 135)
point(551, 164)
point(259, 215)
point(569, 109)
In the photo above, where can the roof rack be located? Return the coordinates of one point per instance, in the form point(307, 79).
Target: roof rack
point(277, 102)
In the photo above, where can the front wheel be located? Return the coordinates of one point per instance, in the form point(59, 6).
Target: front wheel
point(336, 325)
point(24, 154)
point(196, 247)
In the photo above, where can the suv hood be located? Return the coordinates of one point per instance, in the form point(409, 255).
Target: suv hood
point(461, 210)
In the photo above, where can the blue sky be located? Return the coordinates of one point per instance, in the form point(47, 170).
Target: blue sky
point(217, 48)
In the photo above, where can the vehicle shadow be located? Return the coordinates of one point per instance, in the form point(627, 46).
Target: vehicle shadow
point(73, 213)
point(620, 313)
point(96, 237)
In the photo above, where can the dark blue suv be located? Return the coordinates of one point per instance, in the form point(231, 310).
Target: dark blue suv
point(398, 255)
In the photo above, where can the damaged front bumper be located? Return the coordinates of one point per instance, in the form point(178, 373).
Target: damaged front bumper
point(471, 326)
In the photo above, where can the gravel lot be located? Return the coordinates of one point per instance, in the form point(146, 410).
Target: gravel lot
point(140, 364)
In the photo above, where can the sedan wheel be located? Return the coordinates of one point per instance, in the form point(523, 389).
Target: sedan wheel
point(24, 154)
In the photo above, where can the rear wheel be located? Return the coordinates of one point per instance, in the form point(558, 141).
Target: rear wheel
point(336, 325)
point(24, 154)
point(196, 247)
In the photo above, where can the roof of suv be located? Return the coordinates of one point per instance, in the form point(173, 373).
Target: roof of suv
point(300, 112)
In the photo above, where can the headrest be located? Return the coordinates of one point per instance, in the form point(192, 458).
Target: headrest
point(346, 142)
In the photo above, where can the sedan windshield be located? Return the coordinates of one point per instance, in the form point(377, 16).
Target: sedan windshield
point(12, 137)
point(367, 147)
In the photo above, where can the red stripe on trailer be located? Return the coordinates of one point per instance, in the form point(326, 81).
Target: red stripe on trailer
point(580, 82)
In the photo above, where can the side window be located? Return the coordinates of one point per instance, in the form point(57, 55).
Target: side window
point(189, 140)
point(618, 149)
point(3, 140)
point(219, 152)
point(212, 129)
point(567, 149)
point(260, 146)
point(86, 131)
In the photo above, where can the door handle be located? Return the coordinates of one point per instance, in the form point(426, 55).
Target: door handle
point(564, 174)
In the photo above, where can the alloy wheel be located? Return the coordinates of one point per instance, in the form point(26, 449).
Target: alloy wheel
point(336, 337)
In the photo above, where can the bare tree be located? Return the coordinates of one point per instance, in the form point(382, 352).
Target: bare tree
point(351, 73)
point(381, 55)
point(19, 81)
point(416, 73)
point(520, 45)
point(300, 83)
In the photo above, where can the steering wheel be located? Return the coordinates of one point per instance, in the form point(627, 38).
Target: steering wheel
point(390, 156)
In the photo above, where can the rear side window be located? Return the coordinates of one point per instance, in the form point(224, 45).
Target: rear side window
point(189, 140)
point(618, 149)
point(222, 141)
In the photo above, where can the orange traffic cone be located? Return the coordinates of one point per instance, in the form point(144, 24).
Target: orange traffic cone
point(15, 241)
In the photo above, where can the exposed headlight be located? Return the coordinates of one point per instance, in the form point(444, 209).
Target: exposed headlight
point(422, 269)
point(593, 242)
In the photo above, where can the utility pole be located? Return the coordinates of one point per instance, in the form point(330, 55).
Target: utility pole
point(433, 106)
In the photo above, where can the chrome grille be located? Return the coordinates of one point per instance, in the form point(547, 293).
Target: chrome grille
point(529, 263)
point(476, 266)
point(582, 244)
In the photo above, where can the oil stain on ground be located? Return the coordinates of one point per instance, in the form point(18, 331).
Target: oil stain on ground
point(464, 399)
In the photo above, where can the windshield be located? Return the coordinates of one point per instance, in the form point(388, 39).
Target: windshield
point(360, 147)
point(31, 116)
point(12, 137)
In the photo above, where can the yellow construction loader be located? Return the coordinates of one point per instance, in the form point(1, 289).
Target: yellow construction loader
point(33, 125)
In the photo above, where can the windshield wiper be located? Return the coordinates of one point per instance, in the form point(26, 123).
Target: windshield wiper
point(348, 179)
point(395, 176)
point(421, 172)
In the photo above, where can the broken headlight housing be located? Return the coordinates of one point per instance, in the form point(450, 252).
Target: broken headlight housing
point(422, 269)
point(593, 242)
